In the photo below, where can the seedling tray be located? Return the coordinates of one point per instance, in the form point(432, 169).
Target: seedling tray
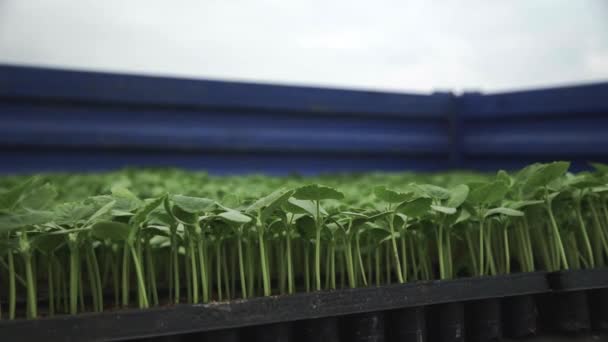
point(181, 319)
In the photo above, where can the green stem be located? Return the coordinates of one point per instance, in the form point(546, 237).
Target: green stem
point(192, 258)
point(12, 290)
point(218, 270)
point(395, 251)
point(306, 268)
point(225, 271)
point(507, 255)
point(583, 230)
point(32, 301)
point(140, 280)
point(404, 256)
point(176, 273)
point(263, 258)
point(151, 272)
point(558, 239)
point(74, 275)
point(480, 272)
point(360, 259)
point(472, 250)
point(439, 235)
point(350, 270)
point(92, 282)
point(239, 245)
point(290, 277)
point(51, 285)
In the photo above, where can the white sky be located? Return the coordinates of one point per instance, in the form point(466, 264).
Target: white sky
point(402, 45)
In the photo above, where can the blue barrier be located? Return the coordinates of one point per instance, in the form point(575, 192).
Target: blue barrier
point(54, 120)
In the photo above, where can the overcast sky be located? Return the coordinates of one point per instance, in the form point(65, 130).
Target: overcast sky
point(402, 45)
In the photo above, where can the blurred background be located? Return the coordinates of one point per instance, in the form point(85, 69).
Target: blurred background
point(421, 85)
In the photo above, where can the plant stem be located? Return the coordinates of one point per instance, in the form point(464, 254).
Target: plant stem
point(74, 277)
point(583, 230)
point(350, 270)
point(439, 236)
point(12, 291)
point(239, 245)
point(51, 285)
point(140, 280)
point(218, 270)
point(558, 239)
point(32, 301)
point(480, 272)
point(306, 268)
point(404, 256)
point(394, 250)
point(125, 276)
point(290, 277)
point(360, 259)
point(263, 258)
point(194, 274)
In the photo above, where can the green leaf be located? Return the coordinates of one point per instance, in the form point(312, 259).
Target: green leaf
point(126, 201)
point(48, 243)
point(488, 193)
point(444, 210)
point(601, 168)
point(521, 204)
point(503, 211)
point(545, 174)
point(306, 227)
point(13, 196)
point(603, 188)
point(432, 191)
point(10, 221)
point(458, 195)
point(303, 207)
point(416, 208)
point(391, 196)
point(39, 198)
point(268, 204)
point(116, 231)
point(193, 205)
point(316, 192)
point(103, 211)
point(504, 177)
point(234, 217)
point(72, 212)
point(142, 214)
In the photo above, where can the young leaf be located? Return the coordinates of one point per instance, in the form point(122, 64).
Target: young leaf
point(315, 192)
point(458, 195)
point(488, 193)
point(142, 214)
point(193, 205)
point(433, 191)
point(545, 174)
point(9, 222)
point(234, 217)
point(601, 168)
point(391, 196)
point(444, 210)
point(270, 203)
point(116, 231)
point(415, 208)
point(39, 198)
point(503, 211)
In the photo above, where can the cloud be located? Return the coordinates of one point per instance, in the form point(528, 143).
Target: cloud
point(413, 45)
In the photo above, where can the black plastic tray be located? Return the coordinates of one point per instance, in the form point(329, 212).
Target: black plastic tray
point(578, 280)
point(180, 319)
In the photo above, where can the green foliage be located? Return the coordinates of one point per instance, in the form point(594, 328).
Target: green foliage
point(128, 237)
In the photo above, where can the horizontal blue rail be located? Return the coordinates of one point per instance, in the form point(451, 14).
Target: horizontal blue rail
point(71, 120)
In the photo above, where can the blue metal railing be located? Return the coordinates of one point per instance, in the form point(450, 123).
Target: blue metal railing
point(69, 120)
